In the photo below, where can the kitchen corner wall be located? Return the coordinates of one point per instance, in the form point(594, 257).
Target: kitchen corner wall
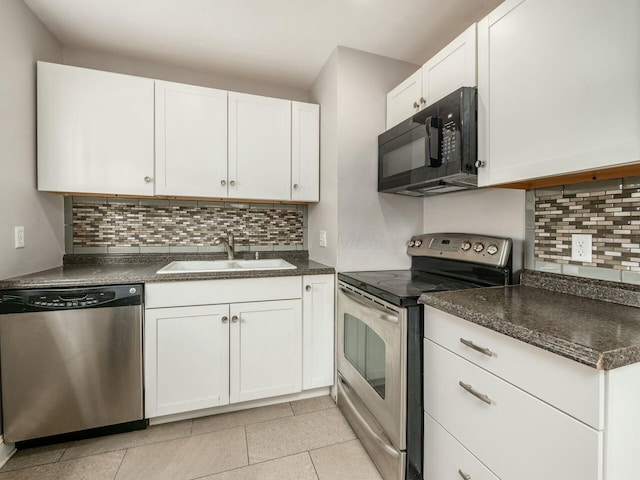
point(23, 41)
point(608, 210)
point(487, 211)
point(124, 225)
point(365, 230)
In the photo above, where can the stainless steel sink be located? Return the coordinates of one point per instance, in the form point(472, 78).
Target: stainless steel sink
point(195, 266)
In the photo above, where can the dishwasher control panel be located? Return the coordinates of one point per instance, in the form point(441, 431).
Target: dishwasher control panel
point(16, 301)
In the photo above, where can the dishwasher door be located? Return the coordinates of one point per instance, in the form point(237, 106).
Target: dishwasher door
point(70, 370)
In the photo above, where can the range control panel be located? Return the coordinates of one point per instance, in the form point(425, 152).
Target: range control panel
point(486, 250)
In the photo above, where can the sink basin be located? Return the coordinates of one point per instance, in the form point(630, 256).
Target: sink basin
point(195, 266)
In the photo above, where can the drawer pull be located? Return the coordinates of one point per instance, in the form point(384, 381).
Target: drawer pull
point(466, 476)
point(481, 396)
point(470, 344)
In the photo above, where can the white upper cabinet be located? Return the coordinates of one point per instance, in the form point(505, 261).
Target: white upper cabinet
point(191, 140)
point(405, 100)
point(558, 88)
point(259, 147)
point(95, 131)
point(451, 68)
point(305, 152)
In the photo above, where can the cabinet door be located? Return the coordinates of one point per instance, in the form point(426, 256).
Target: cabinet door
point(405, 100)
point(305, 152)
point(186, 359)
point(266, 349)
point(451, 68)
point(191, 140)
point(259, 147)
point(318, 300)
point(558, 88)
point(95, 131)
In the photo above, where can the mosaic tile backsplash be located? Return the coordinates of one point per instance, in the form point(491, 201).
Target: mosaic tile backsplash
point(125, 226)
point(608, 210)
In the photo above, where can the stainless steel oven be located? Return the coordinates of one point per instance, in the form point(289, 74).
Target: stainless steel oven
point(380, 341)
point(372, 338)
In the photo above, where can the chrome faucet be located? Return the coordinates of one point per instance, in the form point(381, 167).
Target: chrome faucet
point(228, 245)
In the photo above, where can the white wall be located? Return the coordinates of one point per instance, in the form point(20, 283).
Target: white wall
point(23, 40)
point(324, 215)
point(489, 211)
point(162, 71)
point(365, 230)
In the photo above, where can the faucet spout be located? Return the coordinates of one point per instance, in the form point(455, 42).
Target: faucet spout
point(228, 245)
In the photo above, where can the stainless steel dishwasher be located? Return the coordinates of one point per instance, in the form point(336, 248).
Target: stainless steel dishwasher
point(71, 359)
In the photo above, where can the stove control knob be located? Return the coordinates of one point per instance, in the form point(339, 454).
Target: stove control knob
point(492, 249)
point(418, 243)
point(466, 246)
point(478, 247)
point(412, 243)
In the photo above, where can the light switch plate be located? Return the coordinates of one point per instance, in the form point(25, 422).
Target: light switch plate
point(323, 238)
point(581, 247)
point(18, 233)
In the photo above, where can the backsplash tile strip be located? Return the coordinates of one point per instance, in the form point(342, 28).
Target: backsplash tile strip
point(608, 210)
point(180, 225)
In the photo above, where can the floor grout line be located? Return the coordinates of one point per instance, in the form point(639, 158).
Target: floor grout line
point(315, 469)
point(126, 450)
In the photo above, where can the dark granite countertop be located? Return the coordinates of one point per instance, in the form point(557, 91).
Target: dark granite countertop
point(593, 322)
point(89, 270)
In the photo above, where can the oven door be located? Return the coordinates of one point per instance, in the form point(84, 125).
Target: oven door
point(372, 342)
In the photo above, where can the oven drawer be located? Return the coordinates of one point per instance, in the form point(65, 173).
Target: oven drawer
point(547, 443)
point(445, 458)
point(570, 386)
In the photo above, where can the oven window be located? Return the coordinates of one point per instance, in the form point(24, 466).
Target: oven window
point(366, 351)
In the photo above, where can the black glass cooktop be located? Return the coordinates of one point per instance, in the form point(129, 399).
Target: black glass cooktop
point(402, 287)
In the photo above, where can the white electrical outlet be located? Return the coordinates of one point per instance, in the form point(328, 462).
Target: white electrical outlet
point(581, 248)
point(18, 234)
point(323, 238)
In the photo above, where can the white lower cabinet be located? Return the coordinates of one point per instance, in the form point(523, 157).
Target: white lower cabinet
point(446, 459)
point(266, 349)
point(318, 303)
point(186, 358)
point(201, 353)
point(496, 411)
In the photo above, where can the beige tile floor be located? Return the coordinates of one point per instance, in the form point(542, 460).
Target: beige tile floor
point(306, 439)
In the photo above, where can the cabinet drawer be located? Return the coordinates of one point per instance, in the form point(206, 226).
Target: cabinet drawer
point(446, 459)
point(209, 292)
point(513, 426)
point(570, 386)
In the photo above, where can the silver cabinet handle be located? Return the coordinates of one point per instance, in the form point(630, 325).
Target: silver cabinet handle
point(416, 105)
point(470, 389)
point(477, 348)
point(466, 476)
point(295, 186)
point(234, 319)
point(480, 163)
point(308, 288)
point(225, 319)
point(147, 179)
point(232, 183)
point(422, 100)
point(223, 182)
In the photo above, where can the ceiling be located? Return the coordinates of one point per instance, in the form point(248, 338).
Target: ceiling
point(284, 42)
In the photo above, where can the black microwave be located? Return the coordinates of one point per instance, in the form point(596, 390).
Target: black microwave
point(433, 152)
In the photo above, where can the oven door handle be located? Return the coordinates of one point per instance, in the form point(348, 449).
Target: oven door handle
point(369, 304)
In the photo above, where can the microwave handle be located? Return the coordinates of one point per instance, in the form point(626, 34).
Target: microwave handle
point(433, 144)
